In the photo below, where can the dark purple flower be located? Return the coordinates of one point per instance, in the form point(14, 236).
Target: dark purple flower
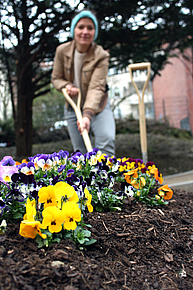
point(2, 203)
point(21, 177)
point(41, 183)
point(56, 179)
point(103, 166)
point(72, 179)
point(111, 174)
point(61, 168)
point(144, 169)
point(63, 154)
point(140, 161)
point(91, 179)
point(70, 172)
point(135, 161)
point(113, 159)
point(150, 163)
point(123, 184)
point(34, 193)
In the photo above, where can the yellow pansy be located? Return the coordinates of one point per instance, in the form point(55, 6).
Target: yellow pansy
point(88, 196)
point(142, 181)
point(30, 229)
point(63, 189)
point(72, 215)
point(53, 218)
point(47, 196)
point(30, 210)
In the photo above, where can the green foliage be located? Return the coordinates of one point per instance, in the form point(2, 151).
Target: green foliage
point(107, 200)
point(8, 132)
point(129, 125)
point(15, 208)
point(48, 109)
point(80, 236)
point(50, 239)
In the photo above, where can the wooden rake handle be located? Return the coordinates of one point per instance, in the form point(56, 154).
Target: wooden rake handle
point(78, 113)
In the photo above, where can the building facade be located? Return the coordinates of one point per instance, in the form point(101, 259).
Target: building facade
point(173, 92)
point(123, 97)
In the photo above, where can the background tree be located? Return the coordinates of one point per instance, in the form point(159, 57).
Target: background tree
point(47, 110)
point(4, 99)
point(29, 30)
point(133, 31)
point(136, 31)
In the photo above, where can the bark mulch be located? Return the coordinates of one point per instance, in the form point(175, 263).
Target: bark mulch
point(140, 247)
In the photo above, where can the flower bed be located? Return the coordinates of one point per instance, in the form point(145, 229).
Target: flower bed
point(50, 193)
point(137, 239)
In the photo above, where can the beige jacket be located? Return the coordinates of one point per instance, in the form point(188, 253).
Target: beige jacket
point(93, 75)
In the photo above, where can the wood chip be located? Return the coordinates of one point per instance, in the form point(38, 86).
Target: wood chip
point(123, 234)
point(161, 211)
point(168, 257)
point(131, 251)
point(150, 229)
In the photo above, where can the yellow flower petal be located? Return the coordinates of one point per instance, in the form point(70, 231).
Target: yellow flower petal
point(30, 229)
point(72, 214)
point(47, 196)
point(63, 189)
point(53, 218)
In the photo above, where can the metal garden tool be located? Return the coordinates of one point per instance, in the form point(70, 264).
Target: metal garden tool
point(142, 121)
point(78, 113)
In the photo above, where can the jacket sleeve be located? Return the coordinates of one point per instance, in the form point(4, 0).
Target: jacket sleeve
point(96, 95)
point(58, 78)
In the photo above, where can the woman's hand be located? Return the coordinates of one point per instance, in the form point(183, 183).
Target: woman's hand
point(85, 124)
point(71, 91)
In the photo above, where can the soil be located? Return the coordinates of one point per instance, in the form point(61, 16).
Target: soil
point(139, 247)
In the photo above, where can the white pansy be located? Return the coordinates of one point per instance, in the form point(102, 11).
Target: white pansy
point(129, 191)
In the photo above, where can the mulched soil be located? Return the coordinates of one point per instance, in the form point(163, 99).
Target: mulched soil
point(139, 247)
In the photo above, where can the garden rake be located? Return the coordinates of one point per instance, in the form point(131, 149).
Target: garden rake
point(142, 121)
point(78, 113)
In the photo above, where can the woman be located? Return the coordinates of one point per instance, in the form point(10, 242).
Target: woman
point(83, 64)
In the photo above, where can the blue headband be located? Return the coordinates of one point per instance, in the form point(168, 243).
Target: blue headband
point(84, 14)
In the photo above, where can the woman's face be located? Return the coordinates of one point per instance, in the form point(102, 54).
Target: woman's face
point(84, 33)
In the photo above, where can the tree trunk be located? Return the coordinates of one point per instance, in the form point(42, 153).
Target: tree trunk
point(23, 127)
point(23, 120)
